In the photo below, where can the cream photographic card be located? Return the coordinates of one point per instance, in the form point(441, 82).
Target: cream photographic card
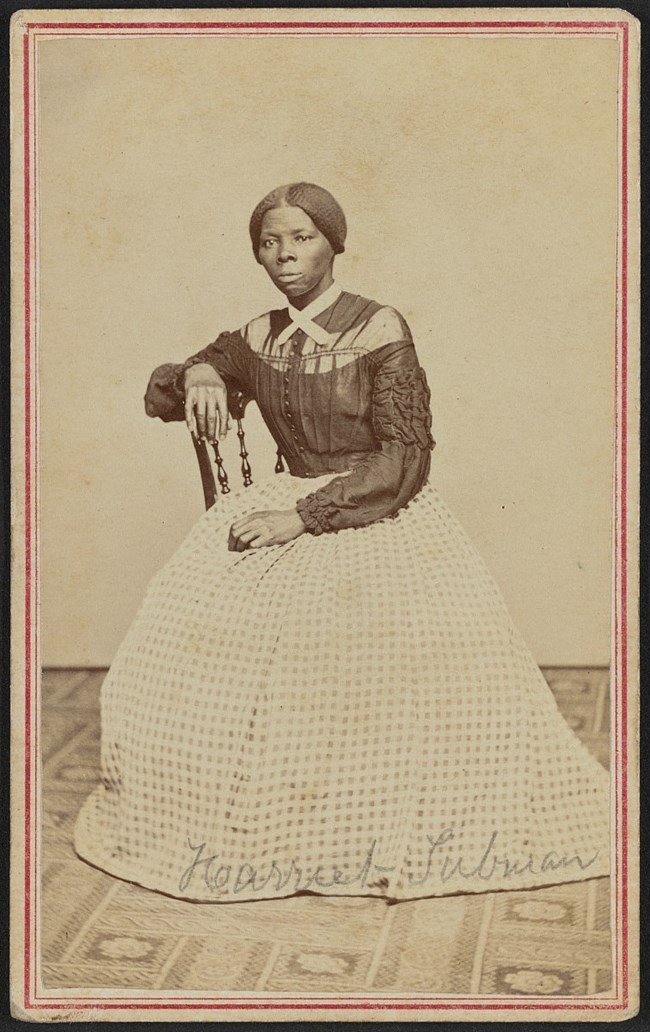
point(334, 724)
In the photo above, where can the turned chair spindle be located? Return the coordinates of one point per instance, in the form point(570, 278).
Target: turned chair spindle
point(237, 405)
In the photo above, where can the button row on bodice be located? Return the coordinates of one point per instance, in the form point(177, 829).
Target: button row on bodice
point(297, 340)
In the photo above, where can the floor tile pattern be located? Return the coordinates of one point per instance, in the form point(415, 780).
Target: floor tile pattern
point(100, 932)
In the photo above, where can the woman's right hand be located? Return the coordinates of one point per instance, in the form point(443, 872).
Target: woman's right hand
point(206, 402)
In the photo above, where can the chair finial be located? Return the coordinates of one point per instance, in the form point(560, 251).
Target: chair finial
point(222, 476)
point(246, 470)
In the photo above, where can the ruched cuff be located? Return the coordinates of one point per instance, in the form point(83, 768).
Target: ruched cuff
point(164, 398)
point(316, 513)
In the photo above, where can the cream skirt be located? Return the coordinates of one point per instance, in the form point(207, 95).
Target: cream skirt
point(349, 714)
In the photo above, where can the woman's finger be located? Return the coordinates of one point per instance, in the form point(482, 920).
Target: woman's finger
point(248, 519)
point(221, 398)
point(245, 522)
point(260, 540)
point(238, 538)
point(190, 418)
point(249, 535)
point(200, 409)
point(211, 414)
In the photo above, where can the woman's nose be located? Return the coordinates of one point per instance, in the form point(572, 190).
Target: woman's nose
point(285, 254)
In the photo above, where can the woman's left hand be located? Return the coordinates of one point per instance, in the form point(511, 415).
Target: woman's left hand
point(261, 529)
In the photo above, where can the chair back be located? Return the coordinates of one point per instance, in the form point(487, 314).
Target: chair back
point(237, 406)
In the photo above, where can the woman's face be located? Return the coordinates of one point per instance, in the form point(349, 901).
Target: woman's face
point(296, 255)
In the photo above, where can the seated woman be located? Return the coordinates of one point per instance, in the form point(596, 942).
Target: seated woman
point(323, 690)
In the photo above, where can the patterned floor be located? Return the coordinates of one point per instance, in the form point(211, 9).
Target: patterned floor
point(97, 931)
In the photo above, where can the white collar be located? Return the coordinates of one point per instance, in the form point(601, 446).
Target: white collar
point(302, 319)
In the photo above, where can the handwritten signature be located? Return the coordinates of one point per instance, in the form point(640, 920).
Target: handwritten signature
point(225, 879)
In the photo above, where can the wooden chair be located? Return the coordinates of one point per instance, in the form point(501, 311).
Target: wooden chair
point(237, 406)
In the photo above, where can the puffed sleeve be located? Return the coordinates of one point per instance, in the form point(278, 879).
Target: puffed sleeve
point(389, 478)
point(228, 354)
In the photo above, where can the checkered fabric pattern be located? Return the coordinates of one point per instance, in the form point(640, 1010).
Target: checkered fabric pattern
point(351, 714)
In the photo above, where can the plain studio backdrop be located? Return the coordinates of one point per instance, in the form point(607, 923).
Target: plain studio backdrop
point(479, 181)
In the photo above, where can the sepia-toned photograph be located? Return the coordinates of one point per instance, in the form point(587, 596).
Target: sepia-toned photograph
point(325, 359)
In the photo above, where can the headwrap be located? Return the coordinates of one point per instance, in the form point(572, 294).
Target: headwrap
point(324, 211)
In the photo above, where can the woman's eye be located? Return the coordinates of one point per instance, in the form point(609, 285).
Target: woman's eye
point(268, 243)
point(303, 237)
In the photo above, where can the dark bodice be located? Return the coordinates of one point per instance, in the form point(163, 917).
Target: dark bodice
point(358, 404)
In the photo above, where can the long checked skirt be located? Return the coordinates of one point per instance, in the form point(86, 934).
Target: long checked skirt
point(348, 714)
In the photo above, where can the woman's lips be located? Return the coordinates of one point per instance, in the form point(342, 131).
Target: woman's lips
point(288, 275)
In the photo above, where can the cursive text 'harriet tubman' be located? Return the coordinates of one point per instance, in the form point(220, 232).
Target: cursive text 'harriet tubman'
point(225, 879)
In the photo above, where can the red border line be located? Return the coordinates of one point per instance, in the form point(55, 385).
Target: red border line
point(614, 676)
point(307, 34)
point(378, 997)
point(620, 539)
point(620, 559)
point(28, 505)
point(35, 494)
point(311, 1004)
point(315, 31)
point(324, 25)
point(623, 491)
point(617, 643)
